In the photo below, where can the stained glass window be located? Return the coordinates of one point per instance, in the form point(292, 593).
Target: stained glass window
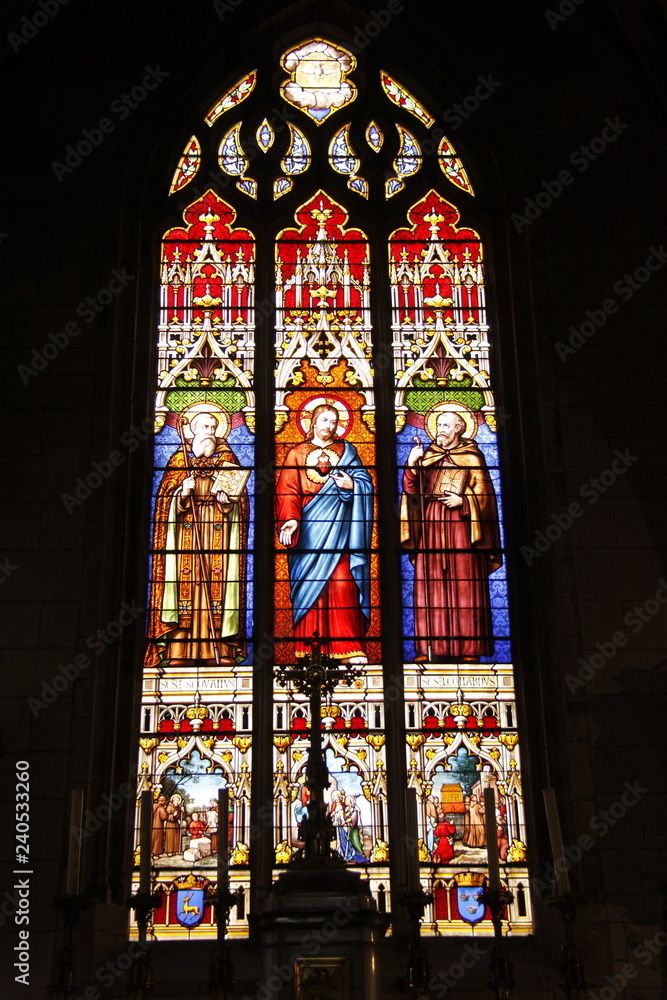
point(265, 136)
point(407, 163)
point(297, 158)
point(344, 161)
point(281, 186)
point(197, 694)
point(318, 83)
point(234, 161)
point(451, 166)
point(326, 562)
point(460, 702)
point(341, 155)
point(402, 98)
point(187, 165)
point(374, 137)
point(233, 97)
point(331, 351)
point(232, 158)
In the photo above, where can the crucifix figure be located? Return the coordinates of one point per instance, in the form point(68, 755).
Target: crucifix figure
point(315, 675)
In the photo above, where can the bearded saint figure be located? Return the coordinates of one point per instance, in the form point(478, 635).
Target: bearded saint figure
point(449, 525)
point(324, 509)
point(198, 565)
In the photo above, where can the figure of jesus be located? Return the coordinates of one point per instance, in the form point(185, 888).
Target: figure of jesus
point(450, 528)
point(324, 508)
point(195, 605)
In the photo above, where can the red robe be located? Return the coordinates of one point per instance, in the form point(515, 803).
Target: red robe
point(454, 549)
point(197, 828)
point(444, 848)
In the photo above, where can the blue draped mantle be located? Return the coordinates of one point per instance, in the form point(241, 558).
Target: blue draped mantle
point(334, 522)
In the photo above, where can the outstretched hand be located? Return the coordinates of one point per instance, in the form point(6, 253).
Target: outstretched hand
point(287, 531)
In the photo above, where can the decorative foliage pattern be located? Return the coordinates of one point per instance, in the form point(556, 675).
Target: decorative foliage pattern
point(452, 168)
point(341, 156)
point(392, 186)
point(281, 186)
point(233, 97)
point(231, 156)
point(406, 164)
point(248, 186)
point(188, 165)
point(408, 160)
point(297, 158)
point(359, 185)
point(344, 161)
point(402, 98)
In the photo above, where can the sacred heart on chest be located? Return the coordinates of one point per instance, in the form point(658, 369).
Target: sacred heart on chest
point(319, 463)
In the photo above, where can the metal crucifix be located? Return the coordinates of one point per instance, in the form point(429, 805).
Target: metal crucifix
point(317, 675)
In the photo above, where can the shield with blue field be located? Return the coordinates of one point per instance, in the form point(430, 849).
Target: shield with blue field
point(190, 900)
point(469, 892)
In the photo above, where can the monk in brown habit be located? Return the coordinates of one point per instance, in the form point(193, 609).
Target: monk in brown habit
point(198, 566)
point(450, 527)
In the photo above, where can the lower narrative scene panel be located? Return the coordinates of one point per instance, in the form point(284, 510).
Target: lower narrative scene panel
point(195, 740)
point(462, 742)
point(353, 745)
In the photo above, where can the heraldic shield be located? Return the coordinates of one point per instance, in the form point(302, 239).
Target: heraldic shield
point(469, 890)
point(190, 900)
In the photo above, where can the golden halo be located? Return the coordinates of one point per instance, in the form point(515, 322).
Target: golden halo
point(304, 415)
point(468, 417)
point(224, 423)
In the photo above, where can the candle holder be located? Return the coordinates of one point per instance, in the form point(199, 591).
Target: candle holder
point(419, 972)
point(221, 971)
point(574, 984)
point(71, 905)
point(501, 970)
point(315, 675)
point(141, 977)
point(221, 974)
point(143, 903)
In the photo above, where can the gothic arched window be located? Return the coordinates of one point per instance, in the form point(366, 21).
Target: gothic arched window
point(325, 456)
